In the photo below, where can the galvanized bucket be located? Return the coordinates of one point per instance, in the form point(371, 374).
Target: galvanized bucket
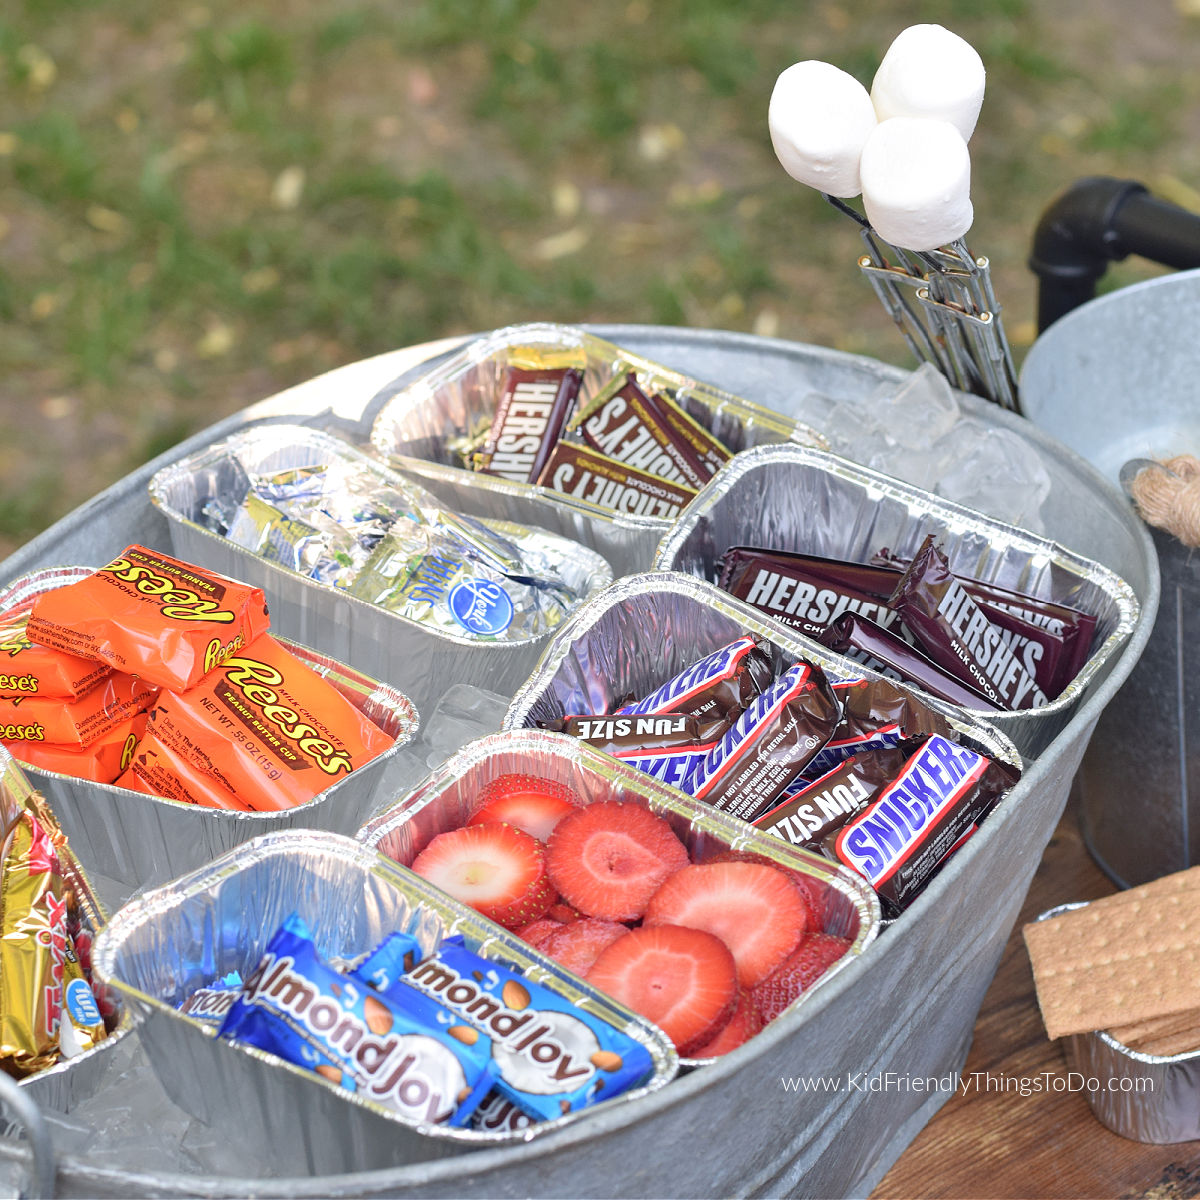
point(906, 1006)
point(1114, 380)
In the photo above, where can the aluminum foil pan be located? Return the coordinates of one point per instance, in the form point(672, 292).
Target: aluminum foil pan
point(445, 800)
point(418, 657)
point(58, 1087)
point(136, 841)
point(646, 628)
point(807, 501)
point(1143, 1097)
point(166, 944)
point(419, 422)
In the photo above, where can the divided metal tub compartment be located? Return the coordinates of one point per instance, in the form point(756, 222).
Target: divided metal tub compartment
point(420, 659)
point(810, 502)
point(133, 841)
point(168, 943)
point(422, 416)
point(446, 799)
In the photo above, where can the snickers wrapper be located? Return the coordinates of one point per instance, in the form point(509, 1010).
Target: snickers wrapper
point(769, 744)
point(719, 686)
point(899, 840)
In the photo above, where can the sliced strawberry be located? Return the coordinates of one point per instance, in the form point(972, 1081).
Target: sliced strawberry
point(799, 971)
point(536, 932)
point(576, 945)
point(497, 869)
point(684, 980)
point(532, 804)
point(811, 888)
point(562, 912)
point(608, 859)
point(754, 909)
point(743, 1025)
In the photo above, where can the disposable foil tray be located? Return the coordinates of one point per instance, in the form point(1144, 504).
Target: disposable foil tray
point(135, 840)
point(646, 628)
point(1143, 1097)
point(166, 944)
point(446, 799)
point(420, 420)
point(424, 661)
point(57, 1087)
point(807, 501)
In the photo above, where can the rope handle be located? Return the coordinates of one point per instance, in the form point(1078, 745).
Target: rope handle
point(1166, 493)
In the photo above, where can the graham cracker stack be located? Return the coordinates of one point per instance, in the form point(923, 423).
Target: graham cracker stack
point(1128, 964)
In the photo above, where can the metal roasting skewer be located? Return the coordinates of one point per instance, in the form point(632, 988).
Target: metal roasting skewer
point(943, 303)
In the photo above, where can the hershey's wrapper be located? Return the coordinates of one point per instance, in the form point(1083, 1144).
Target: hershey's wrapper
point(530, 415)
point(584, 474)
point(957, 634)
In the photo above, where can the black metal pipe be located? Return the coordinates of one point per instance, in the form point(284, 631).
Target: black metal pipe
point(1099, 220)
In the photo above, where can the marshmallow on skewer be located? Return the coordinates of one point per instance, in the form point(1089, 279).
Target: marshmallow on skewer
point(916, 181)
point(930, 72)
point(820, 118)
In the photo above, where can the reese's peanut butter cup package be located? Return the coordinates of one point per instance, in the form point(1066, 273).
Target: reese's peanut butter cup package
point(42, 984)
point(280, 732)
point(156, 770)
point(151, 615)
point(101, 760)
point(76, 723)
point(27, 669)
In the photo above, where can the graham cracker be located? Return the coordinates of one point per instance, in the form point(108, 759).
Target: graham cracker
point(1124, 959)
point(1175, 1034)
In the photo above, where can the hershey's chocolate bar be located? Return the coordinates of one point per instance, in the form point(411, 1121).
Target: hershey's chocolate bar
point(584, 474)
point(533, 408)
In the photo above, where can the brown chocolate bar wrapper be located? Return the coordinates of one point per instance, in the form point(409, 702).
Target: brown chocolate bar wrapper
point(533, 408)
point(623, 736)
point(862, 640)
point(955, 632)
point(806, 592)
point(826, 804)
point(626, 427)
point(584, 474)
point(769, 744)
point(705, 445)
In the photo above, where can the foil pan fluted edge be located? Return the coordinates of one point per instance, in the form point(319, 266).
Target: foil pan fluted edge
point(443, 802)
point(420, 659)
point(1144, 1097)
point(809, 501)
point(449, 401)
point(139, 840)
point(73, 1079)
point(168, 942)
point(648, 627)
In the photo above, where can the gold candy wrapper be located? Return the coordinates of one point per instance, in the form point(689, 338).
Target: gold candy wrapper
point(47, 1008)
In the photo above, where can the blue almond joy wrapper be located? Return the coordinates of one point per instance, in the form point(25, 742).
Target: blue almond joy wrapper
point(416, 1059)
point(552, 1057)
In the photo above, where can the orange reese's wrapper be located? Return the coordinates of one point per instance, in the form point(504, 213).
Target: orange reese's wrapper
point(280, 733)
point(101, 761)
point(27, 669)
point(153, 616)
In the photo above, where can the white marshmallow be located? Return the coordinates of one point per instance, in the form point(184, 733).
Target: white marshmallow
point(819, 118)
point(930, 72)
point(916, 181)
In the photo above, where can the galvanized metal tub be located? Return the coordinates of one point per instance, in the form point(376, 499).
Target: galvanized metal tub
point(423, 412)
point(809, 502)
point(425, 658)
point(1114, 381)
point(445, 800)
point(772, 1141)
point(1143, 1097)
point(134, 841)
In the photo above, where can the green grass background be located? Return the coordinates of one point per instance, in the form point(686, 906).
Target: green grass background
point(201, 204)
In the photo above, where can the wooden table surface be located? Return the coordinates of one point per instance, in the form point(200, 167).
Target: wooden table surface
point(989, 1141)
